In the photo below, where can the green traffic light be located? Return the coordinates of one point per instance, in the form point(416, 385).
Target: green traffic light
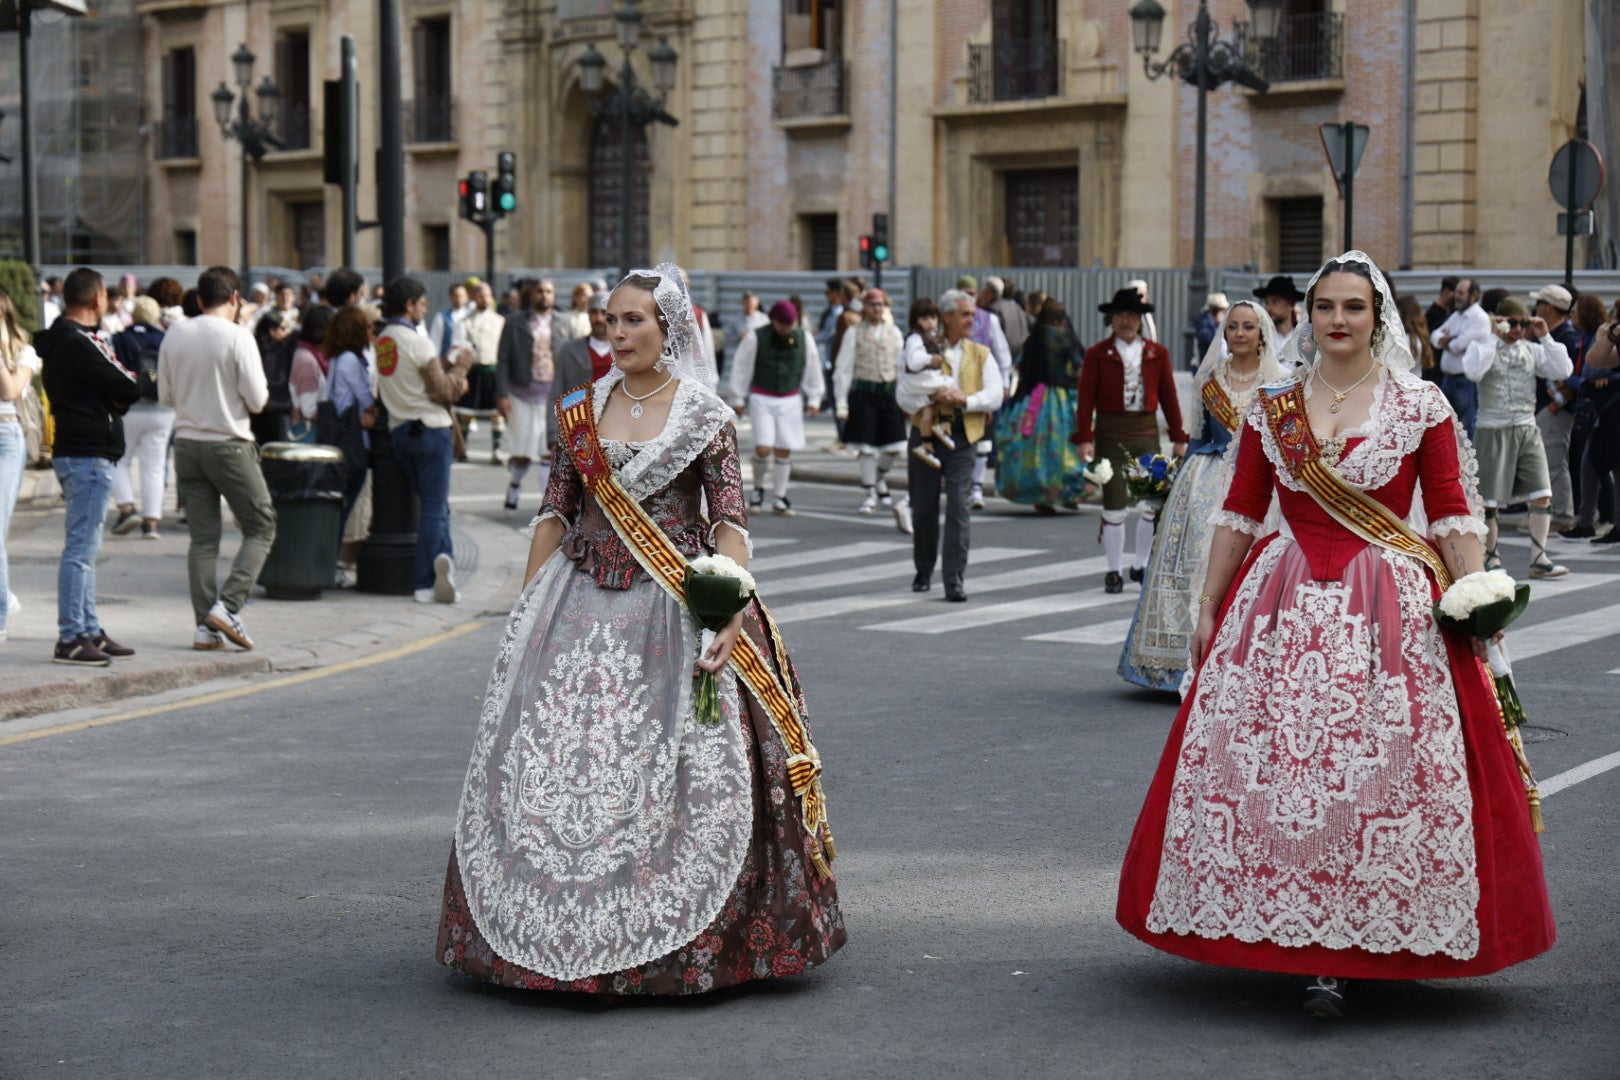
point(881, 253)
point(508, 202)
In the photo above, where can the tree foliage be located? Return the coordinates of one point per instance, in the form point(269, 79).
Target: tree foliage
point(17, 282)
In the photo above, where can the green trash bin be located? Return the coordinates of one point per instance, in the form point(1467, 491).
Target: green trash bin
point(306, 487)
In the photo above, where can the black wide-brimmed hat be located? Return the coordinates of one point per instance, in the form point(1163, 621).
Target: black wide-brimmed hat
point(1126, 299)
point(1281, 285)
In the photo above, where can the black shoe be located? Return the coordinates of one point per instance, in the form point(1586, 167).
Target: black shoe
point(954, 594)
point(127, 522)
point(757, 500)
point(1113, 583)
point(1610, 537)
point(921, 584)
point(110, 647)
point(1137, 574)
point(513, 493)
point(80, 653)
point(1578, 532)
point(1324, 998)
point(1045, 510)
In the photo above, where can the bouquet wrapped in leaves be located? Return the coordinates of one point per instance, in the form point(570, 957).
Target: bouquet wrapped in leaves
point(716, 589)
point(1482, 605)
point(1148, 477)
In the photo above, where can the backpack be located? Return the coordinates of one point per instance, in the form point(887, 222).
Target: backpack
point(146, 368)
point(277, 358)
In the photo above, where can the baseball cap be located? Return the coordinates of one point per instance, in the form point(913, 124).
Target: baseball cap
point(1556, 295)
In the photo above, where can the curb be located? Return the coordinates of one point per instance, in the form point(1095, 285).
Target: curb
point(52, 697)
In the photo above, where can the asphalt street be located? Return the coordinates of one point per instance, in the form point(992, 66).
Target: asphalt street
point(247, 884)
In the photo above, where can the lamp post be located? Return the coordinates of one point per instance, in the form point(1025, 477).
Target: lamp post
point(1205, 61)
point(629, 103)
point(256, 135)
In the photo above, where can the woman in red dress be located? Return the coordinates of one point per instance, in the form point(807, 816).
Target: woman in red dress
point(1337, 797)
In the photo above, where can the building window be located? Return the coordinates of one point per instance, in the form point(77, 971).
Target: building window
point(177, 128)
point(607, 193)
point(1043, 217)
point(292, 79)
point(821, 240)
point(1023, 60)
point(185, 247)
point(430, 114)
point(1309, 44)
point(812, 25)
point(1299, 235)
point(309, 234)
point(436, 246)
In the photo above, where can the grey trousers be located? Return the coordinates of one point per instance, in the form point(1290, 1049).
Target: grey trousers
point(925, 483)
point(205, 472)
point(1555, 430)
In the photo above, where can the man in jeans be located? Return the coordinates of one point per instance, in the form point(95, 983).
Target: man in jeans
point(89, 392)
point(209, 372)
point(417, 390)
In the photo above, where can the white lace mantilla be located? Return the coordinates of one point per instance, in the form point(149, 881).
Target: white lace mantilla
point(1321, 793)
point(696, 416)
point(601, 826)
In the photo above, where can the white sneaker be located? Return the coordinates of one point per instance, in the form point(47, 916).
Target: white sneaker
point(976, 501)
point(781, 507)
point(902, 516)
point(13, 605)
point(424, 596)
point(444, 580)
point(226, 623)
point(208, 639)
point(868, 504)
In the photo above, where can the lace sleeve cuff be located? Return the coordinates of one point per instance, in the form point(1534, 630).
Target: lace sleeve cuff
point(538, 518)
point(1463, 523)
point(1237, 522)
point(714, 531)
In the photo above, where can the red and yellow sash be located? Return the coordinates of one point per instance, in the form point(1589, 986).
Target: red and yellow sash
point(1355, 510)
point(658, 555)
point(1220, 406)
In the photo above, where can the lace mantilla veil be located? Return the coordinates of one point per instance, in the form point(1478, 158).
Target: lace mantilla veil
point(1404, 404)
point(1270, 371)
point(682, 352)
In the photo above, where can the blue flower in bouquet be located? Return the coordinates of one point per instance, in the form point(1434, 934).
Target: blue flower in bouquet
point(1149, 476)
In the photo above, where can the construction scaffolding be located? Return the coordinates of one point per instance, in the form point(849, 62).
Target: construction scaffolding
point(89, 136)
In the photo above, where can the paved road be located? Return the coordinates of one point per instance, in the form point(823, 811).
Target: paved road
point(248, 885)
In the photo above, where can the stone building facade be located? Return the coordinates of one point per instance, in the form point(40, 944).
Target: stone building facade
point(993, 132)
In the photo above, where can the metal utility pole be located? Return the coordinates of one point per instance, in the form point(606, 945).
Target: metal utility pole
point(30, 191)
point(349, 94)
point(390, 142)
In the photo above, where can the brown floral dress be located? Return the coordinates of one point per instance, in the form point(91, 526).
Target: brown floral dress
point(779, 916)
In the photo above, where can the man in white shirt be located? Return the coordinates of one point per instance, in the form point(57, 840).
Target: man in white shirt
point(776, 376)
point(210, 373)
point(448, 328)
point(1467, 325)
point(482, 330)
point(975, 393)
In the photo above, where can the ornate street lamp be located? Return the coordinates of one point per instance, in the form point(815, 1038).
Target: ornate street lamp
point(255, 134)
point(628, 103)
point(1206, 62)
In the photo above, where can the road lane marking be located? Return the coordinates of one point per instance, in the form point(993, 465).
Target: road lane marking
point(1033, 608)
point(243, 691)
point(830, 579)
point(793, 559)
point(1568, 779)
point(1111, 632)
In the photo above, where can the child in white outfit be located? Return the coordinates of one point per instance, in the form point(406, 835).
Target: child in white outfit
point(923, 372)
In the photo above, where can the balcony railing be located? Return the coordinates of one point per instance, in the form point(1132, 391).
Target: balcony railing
point(1307, 48)
point(817, 90)
point(430, 120)
point(175, 138)
point(293, 125)
point(1015, 69)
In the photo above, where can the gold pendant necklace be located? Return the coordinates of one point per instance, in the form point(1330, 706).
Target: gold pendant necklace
point(1340, 395)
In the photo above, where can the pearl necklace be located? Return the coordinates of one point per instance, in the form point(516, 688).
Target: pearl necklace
point(1340, 395)
point(636, 409)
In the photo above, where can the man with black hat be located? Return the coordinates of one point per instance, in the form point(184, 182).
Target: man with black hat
point(1280, 294)
point(1124, 380)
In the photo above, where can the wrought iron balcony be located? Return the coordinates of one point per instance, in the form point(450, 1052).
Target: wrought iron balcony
point(1308, 48)
point(175, 138)
point(1015, 69)
point(293, 125)
point(430, 119)
point(816, 90)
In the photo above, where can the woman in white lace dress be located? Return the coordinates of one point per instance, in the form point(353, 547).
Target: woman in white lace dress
point(1337, 797)
point(607, 841)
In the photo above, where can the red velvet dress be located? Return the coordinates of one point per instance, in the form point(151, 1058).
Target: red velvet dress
point(1337, 795)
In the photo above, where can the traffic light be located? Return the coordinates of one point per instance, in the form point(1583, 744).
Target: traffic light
point(475, 196)
point(880, 238)
point(866, 253)
point(505, 198)
point(464, 190)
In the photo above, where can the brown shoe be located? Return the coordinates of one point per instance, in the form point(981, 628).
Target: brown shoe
point(111, 647)
point(80, 653)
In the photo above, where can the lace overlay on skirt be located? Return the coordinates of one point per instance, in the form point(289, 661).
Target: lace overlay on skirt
point(1321, 793)
point(600, 827)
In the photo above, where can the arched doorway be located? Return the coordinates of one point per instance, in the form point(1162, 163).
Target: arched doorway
point(607, 195)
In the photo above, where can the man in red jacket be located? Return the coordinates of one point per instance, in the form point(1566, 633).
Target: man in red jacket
point(1124, 380)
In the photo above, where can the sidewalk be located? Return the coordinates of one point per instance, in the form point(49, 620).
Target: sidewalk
point(144, 602)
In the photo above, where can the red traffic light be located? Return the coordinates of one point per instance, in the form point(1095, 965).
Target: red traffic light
point(462, 188)
point(866, 245)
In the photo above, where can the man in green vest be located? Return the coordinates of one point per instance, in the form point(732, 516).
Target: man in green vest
point(776, 377)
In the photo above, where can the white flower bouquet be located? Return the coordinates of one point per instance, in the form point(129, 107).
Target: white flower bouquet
point(1099, 472)
point(717, 587)
point(1482, 605)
